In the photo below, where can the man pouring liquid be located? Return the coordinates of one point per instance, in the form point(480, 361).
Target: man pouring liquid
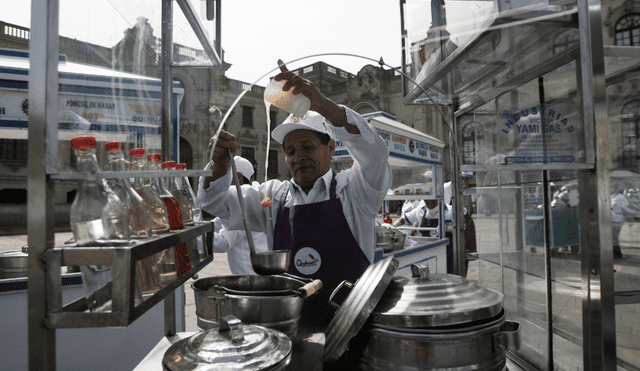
point(325, 218)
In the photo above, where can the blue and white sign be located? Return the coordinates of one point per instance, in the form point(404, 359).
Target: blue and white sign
point(540, 134)
point(403, 147)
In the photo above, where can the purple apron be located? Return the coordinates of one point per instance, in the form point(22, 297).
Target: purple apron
point(322, 247)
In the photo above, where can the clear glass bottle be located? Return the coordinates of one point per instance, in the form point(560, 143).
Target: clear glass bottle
point(97, 218)
point(181, 251)
point(138, 220)
point(157, 208)
point(137, 210)
point(159, 216)
point(183, 185)
point(197, 250)
point(186, 206)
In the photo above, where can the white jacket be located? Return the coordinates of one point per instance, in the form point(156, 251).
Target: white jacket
point(235, 244)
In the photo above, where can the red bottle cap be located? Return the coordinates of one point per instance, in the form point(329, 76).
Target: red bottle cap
point(168, 164)
point(137, 152)
point(114, 146)
point(154, 157)
point(181, 166)
point(83, 142)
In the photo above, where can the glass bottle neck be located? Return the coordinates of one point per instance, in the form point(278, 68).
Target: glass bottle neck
point(87, 161)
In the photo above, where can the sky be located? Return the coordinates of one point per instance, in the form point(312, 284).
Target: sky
point(255, 33)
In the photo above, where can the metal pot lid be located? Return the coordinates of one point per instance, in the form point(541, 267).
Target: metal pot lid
point(231, 346)
point(354, 312)
point(434, 300)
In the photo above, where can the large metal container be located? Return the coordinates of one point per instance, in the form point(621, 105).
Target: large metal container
point(269, 301)
point(14, 264)
point(232, 346)
point(436, 322)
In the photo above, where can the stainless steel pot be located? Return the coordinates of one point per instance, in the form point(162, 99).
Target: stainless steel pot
point(14, 264)
point(232, 346)
point(424, 322)
point(270, 301)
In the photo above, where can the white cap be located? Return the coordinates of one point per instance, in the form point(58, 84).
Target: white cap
point(310, 121)
point(243, 166)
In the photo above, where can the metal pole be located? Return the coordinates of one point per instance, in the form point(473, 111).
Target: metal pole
point(167, 129)
point(43, 112)
point(598, 303)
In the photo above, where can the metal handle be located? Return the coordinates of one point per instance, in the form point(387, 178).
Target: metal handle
point(247, 227)
point(508, 338)
point(335, 291)
point(234, 326)
point(310, 288)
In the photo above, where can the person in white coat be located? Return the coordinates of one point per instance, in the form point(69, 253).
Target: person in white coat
point(234, 242)
point(326, 219)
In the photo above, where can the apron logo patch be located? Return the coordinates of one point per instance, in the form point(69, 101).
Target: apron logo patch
point(307, 260)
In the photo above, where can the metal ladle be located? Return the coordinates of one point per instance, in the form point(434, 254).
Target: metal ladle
point(265, 263)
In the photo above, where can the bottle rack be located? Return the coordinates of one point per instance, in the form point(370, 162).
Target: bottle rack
point(121, 290)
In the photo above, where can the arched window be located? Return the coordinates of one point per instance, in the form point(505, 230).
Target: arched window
point(565, 40)
point(186, 153)
point(628, 30)
point(630, 134)
point(472, 143)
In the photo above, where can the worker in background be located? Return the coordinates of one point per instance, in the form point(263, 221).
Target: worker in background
point(234, 242)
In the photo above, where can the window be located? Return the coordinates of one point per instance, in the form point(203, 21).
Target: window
point(186, 153)
point(565, 40)
point(13, 149)
point(273, 116)
point(272, 170)
point(307, 69)
point(472, 138)
point(630, 133)
point(628, 30)
point(247, 117)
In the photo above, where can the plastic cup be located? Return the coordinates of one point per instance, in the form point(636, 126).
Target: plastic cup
point(295, 104)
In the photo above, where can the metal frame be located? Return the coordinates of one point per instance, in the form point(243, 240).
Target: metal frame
point(44, 297)
point(598, 297)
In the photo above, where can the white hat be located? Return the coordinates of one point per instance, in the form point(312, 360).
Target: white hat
point(310, 121)
point(467, 174)
point(243, 166)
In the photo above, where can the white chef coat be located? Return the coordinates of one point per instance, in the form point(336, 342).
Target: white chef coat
point(236, 245)
point(361, 189)
point(414, 217)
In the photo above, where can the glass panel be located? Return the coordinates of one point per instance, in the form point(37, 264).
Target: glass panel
point(622, 66)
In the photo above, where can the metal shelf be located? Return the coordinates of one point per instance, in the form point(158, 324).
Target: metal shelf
point(130, 174)
point(121, 289)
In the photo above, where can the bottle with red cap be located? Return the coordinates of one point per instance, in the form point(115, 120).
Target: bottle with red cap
point(138, 218)
point(186, 206)
point(157, 209)
point(154, 163)
point(97, 212)
point(181, 211)
point(182, 183)
point(96, 217)
point(199, 252)
point(181, 251)
point(159, 215)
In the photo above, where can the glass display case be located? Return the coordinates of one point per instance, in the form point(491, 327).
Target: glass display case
point(416, 162)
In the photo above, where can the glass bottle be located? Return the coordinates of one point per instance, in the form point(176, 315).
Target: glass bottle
point(181, 251)
point(186, 206)
point(197, 250)
point(138, 220)
point(182, 182)
point(154, 161)
point(97, 218)
point(137, 210)
point(159, 216)
point(157, 208)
